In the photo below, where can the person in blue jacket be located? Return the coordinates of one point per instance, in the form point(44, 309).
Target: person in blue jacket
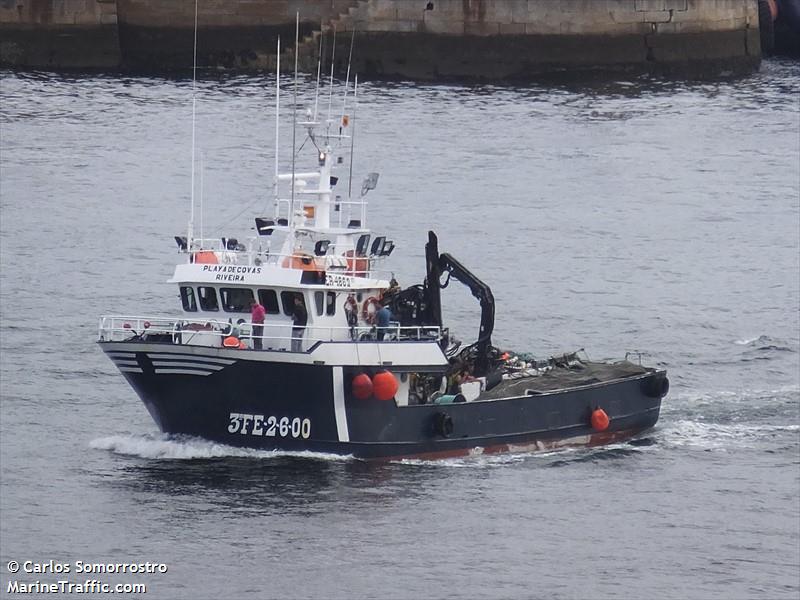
point(383, 317)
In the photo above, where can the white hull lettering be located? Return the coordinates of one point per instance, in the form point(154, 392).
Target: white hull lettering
point(231, 272)
point(269, 426)
point(233, 269)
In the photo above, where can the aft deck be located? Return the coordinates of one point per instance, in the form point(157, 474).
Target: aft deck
point(561, 375)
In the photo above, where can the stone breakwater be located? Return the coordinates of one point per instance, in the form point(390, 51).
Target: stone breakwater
point(416, 39)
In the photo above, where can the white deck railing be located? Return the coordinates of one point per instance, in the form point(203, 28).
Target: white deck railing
point(209, 332)
point(255, 254)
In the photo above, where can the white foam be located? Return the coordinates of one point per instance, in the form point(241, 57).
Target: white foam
point(744, 394)
point(476, 457)
point(716, 436)
point(166, 447)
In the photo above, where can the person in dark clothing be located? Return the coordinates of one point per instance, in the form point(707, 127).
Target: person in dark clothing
point(383, 317)
point(299, 320)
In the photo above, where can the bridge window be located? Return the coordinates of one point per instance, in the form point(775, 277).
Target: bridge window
point(319, 301)
point(236, 299)
point(187, 299)
point(330, 308)
point(208, 298)
point(269, 300)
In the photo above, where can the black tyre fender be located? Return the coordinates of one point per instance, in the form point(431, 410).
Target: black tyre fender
point(443, 424)
point(657, 386)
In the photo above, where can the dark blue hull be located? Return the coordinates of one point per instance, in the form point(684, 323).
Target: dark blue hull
point(241, 399)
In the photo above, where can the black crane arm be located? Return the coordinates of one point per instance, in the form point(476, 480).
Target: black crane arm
point(436, 264)
point(479, 289)
point(483, 293)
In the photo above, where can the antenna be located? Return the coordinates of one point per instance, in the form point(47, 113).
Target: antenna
point(330, 87)
point(190, 232)
point(353, 141)
point(294, 116)
point(277, 122)
point(319, 67)
point(347, 78)
point(202, 170)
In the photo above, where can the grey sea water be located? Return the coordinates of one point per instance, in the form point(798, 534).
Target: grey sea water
point(647, 215)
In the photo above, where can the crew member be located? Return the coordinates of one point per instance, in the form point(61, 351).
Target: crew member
point(257, 313)
point(383, 316)
point(299, 320)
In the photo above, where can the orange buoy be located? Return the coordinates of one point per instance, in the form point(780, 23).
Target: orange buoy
point(231, 342)
point(384, 385)
point(242, 345)
point(362, 386)
point(600, 420)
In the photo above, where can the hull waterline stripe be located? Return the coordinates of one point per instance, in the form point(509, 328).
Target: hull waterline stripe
point(182, 372)
point(191, 365)
point(126, 363)
point(338, 405)
point(130, 370)
point(192, 357)
point(114, 354)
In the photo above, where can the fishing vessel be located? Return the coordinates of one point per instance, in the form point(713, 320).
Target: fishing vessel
point(339, 357)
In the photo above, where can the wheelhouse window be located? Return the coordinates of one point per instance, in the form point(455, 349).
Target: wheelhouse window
point(208, 298)
point(319, 302)
point(269, 300)
point(330, 308)
point(236, 299)
point(187, 299)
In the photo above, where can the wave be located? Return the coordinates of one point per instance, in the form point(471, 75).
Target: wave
point(716, 436)
point(765, 342)
point(180, 447)
point(562, 456)
point(785, 393)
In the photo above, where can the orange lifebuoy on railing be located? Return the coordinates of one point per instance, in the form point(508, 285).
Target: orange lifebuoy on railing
point(367, 314)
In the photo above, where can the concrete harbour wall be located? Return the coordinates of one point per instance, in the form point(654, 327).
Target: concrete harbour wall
point(418, 39)
point(519, 39)
point(59, 33)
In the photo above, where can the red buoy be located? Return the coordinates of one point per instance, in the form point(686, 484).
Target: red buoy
point(600, 420)
point(362, 386)
point(384, 385)
point(231, 342)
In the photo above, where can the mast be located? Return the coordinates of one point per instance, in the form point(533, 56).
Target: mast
point(352, 145)
point(277, 122)
point(319, 67)
point(330, 87)
point(294, 118)
point(190, 232)
point(202, 170)
point(347, 77)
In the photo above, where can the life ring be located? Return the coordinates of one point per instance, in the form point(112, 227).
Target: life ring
point(366, 314)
